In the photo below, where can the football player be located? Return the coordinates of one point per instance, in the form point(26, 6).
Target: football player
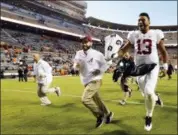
point(145, 42)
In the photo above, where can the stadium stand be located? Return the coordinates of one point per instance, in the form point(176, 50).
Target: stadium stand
point(19, 41)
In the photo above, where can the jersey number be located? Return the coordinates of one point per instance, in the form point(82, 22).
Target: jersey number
point(110, 48)
point(148, 50)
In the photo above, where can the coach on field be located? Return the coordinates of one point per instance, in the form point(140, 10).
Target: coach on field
point(43, 73)
point(92, 65)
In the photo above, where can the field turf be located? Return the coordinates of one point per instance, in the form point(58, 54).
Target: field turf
point(21, 112)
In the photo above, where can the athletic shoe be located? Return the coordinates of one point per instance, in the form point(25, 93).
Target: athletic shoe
point(122, 102)
point(159, 101)
point(148, 123)
point(109, 117)
point(58, 91)
point(99, 121)
point(45, 104)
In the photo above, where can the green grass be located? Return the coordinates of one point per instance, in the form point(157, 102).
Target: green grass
point(22, 113)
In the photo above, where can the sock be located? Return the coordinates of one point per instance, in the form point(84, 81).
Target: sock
point(156, 97)
point(126, 95)
point(150, 101)
point(49, 90)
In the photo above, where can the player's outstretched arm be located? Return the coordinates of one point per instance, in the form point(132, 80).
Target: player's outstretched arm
point(125, 48)
point(164, 53)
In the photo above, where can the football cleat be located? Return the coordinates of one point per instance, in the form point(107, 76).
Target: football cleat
point(159, 101)
point(148, 123)
point(109, 117)
point(99, 121)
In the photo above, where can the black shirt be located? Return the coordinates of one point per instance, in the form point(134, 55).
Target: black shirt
point(125, 65)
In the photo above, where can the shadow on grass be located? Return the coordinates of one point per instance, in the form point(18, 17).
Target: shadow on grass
point(125, 129)
point(116, 132)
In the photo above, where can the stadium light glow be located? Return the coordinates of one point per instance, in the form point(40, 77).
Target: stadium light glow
point(45, 28)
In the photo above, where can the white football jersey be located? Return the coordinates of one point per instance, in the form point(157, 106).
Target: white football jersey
point(145, 46)
point(112, 45)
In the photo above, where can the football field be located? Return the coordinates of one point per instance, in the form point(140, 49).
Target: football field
point(21, 112)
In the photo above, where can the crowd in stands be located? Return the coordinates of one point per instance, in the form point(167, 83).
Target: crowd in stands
point(17, 46)
point(55, 21)
point(57, 51)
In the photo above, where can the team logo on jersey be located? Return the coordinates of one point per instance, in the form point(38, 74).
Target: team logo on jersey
point(90, 61)
point(118, 42)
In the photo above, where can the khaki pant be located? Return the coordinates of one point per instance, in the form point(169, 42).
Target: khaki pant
point(92, 100)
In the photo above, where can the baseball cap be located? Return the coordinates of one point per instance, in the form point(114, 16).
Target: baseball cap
point(86, 39)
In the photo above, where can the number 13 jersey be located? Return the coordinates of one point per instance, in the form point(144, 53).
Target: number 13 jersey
point(145, 46)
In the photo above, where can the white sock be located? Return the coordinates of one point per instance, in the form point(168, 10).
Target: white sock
point(156, 97)
point(150, 101)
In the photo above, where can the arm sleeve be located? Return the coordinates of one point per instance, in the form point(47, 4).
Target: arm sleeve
point(160, 36)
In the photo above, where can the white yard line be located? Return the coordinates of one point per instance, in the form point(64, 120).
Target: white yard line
point(75, 96)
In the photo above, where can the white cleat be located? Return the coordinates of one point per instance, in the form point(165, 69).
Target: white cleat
point(148, 127)
point(42, 104)
point(58, 91)
point(45, 104)
point(148, 123)
point(122, 102)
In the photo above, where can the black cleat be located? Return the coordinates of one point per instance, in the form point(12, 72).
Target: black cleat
point(99, 121)
point(109, 117)
point(159, 101)
point(148, 123)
